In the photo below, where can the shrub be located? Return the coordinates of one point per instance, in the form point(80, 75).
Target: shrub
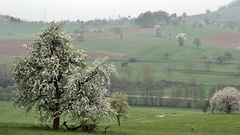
point(221, 59)
point(205, 105)
point(132, 60)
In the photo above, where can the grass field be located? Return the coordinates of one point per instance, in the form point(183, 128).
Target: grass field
point(149, 50)
point(141, 121)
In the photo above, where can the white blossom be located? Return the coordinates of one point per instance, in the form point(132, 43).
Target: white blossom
point(181, 38)
point(226, 99)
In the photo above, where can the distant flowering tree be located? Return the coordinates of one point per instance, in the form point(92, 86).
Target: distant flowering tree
point(53, 79)
point(226, 99)
point(157, 30)
point(181, 38)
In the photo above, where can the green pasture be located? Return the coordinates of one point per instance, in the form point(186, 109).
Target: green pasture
point(140, 121)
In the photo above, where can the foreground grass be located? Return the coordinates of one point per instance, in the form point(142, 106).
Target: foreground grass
point(141, 121)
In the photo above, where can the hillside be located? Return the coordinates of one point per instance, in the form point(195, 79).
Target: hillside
point(228, 16)
point(146, 50)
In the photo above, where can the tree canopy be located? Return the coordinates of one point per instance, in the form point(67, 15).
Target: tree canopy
point(53, 78)
point(149, 19)
point(226, 99)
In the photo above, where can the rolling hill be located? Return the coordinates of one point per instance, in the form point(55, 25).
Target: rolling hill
point(226, 16)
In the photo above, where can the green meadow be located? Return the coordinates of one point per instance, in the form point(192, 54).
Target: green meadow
point(140, 121)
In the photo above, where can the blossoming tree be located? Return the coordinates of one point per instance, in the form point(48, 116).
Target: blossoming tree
point(226, 99)
point(53, 78)
point(181, 38)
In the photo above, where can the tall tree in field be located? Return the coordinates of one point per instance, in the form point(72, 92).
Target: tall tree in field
point(41, 76)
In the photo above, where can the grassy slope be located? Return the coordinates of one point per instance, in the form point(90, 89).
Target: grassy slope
point(141, 121)
point(24, 30)
point(149, 50)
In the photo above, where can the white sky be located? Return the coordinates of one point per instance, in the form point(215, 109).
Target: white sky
point(91, 9)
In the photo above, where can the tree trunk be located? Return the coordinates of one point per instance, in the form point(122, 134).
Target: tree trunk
point(118, 119)
point(56, 122)
point(229, 109)
point(213, 110)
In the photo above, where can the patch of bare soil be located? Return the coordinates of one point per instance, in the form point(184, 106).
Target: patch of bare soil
point(15, 48)
point(224, 39)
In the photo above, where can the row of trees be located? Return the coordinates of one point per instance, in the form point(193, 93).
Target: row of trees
point(11, 18)
point(149, 92)
point(149, 19)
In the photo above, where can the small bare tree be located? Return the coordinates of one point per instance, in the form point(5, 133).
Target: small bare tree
point(168, 71)
point(197, 42)
point(170, 37)
point(189, 65)
point(207, 63)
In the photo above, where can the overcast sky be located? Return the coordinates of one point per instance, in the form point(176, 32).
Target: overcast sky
point(90, 9)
